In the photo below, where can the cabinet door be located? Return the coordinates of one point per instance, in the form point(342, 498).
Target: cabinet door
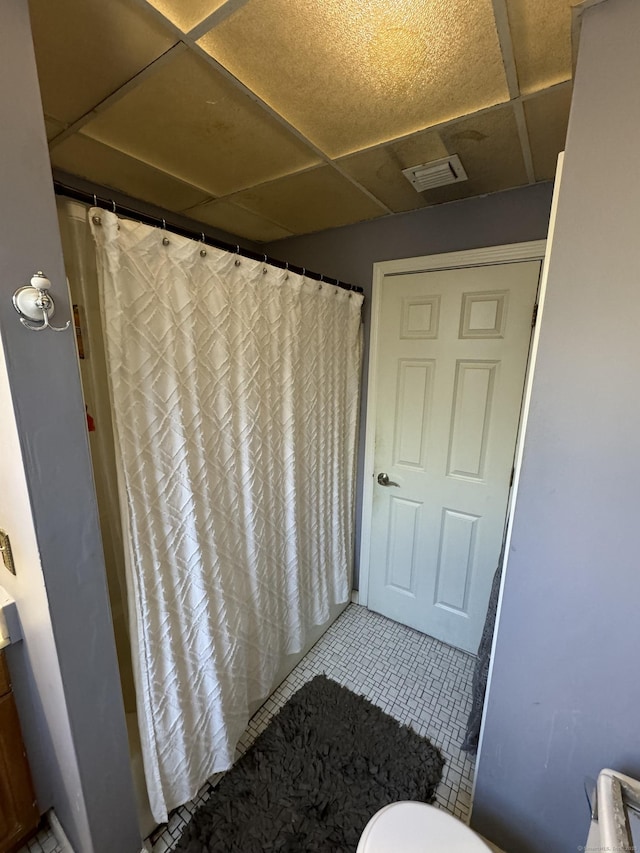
point(18, 809)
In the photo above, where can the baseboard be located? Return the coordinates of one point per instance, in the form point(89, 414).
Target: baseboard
point(60, 835)
point(355, 596)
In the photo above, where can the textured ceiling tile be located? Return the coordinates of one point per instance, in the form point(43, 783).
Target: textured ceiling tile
point(380, 169)
point(541, 35)
point(547, 117)
point(186, 13)
point(350, 74)
point(188, 121)
point(86, 49)
point(310, 201)
point(489, 148)
point(236, 220)
point(88, 159)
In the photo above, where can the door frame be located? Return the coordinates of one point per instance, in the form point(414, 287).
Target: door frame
point(511, 253)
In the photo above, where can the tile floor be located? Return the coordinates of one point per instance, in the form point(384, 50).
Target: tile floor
point(414, 678)
point(43, 842)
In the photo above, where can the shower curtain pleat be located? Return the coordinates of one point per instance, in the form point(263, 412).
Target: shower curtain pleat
point(234, 391)
point(80, 263)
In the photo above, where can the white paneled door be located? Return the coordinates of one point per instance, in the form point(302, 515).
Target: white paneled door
point(451, 357)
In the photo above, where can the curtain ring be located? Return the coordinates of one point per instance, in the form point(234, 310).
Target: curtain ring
point(95, 200)
point(237, 260)
point(114, 205)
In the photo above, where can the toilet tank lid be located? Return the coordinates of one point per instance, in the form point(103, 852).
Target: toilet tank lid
point(413, 827)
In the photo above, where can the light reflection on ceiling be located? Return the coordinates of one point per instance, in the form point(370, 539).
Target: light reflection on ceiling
point(273, 117)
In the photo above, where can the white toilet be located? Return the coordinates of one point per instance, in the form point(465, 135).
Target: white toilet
point(411, 827)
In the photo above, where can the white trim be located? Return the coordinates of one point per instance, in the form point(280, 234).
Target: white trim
point(511, 253)
point(532, 251)
point(60, 835)
point(355, 597)
point(520, 447)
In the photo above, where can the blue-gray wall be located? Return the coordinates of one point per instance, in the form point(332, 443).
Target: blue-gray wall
point(349, 253)
point(72, 711)
point(564, 700)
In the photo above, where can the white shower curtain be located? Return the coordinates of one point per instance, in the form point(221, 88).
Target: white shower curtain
point(234, 388)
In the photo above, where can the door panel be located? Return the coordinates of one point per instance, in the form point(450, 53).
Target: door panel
point(415, 381)
point(451, 358)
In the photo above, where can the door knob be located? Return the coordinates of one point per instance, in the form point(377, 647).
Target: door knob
point(384, 480)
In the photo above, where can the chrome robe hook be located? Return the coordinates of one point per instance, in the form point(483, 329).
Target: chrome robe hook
point(34, 303)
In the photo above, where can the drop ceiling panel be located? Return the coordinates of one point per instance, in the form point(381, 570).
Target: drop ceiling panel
point(186, 13)
point(310, 201)
point(86, 50)
point(489, 148)
point(541, 36)
point(107, 167)
point(380, 169)
point(350, 74)
point(189, 121)
point(228, 216)
point(547, 117)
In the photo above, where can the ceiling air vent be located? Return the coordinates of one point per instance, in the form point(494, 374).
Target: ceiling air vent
point(438, 173)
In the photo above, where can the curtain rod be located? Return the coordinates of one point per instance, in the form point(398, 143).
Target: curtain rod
point(109, 204)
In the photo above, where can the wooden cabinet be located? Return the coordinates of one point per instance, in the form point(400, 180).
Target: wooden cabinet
point(18, 808)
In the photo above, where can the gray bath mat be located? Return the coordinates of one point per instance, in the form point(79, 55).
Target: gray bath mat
point(311, 781)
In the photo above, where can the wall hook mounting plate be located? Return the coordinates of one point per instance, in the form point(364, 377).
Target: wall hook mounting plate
point(25, 301)
point(35, 306)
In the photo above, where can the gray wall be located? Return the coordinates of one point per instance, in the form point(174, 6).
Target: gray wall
point(564, 700)
point(71, 707)
point(349, 254)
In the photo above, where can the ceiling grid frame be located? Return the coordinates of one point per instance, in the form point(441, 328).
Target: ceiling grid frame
point(282, 121)
point(501, 15)
point(186, 41)
point(210, 22)
point(215, 18)
point(189, 42)
point(120, 92)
